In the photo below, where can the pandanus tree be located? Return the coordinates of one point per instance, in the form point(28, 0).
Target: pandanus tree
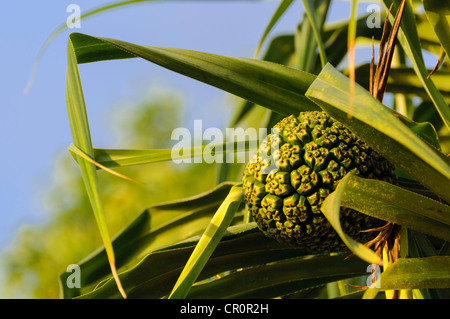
point(343, 185)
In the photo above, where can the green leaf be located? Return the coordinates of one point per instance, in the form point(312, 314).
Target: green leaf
point(256, 80)
point(254, 266)
point(404, 80)
point(351, 34)
point(383, 130)
point(87, 14)
point(281, 9)
point(280, 278)
point(122, 157)
point(426, 131)
point(129, 157)
point(241, 246)
point(400, 206)
point(414, 273)
point(410, 42)
point(428, 39)
point(310, 13)
point(155, 228)
point(305, 43)
point(331, 208)
point(302, 46)
point(75, 151)
point(208, 242)
point(336, 38)
point(63, 27)
point(438, 14)
point(79, 125)
point(425, 112)
point(274, 86)
point(280, 50)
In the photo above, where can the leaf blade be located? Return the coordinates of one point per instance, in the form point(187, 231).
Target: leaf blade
point(400, 206)
point(414, 273)
point(129, 157)
point(207, 243)
point(309, 9)
point(379, 127)
point(281, 9)
point(156, 227)
point(409, 39)
point(438, 15)
point(331, 209)
point(79, 124)
point(272, 85)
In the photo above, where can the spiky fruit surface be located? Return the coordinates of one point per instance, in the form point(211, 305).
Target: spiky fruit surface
point(311, 153)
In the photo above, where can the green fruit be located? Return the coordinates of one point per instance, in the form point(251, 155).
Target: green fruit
point(311, 153)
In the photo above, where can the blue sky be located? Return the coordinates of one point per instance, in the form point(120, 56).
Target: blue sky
point(34, 129)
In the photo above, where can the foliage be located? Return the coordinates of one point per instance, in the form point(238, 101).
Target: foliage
point(228, 257)
point(69, 233)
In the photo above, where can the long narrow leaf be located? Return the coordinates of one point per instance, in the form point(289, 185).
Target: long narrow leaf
point(155, 228)
point(410, 43)
point(379, 127)
point(351, 39)
point(336, 35)
point(76, 109)
point(75, 151)
point(438, 14)
point(305, 43)
point(414, 273)
point(241, 246)
point(109, 158)
point(63, 27)
point(87, 14)
point(280, 50)
point(277, 279)
point(309, 9)
point(400, 206)
point(331, 209)
point(274, 86)
point(208, 242)
point(404, 80)
point(282, 7)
